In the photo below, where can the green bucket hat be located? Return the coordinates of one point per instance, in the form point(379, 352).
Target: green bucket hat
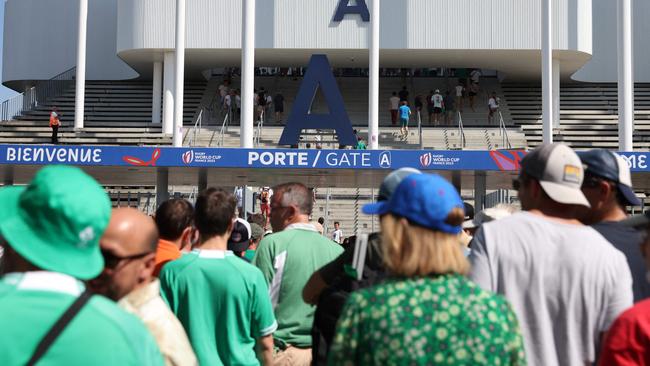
point(56, 221)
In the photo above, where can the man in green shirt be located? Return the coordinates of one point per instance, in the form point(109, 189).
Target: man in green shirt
point(221, 300)
point(287, 259)
point(50, 231)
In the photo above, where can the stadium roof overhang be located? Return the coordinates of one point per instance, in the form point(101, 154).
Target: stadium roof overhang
point(139, 166)
point(515, 64)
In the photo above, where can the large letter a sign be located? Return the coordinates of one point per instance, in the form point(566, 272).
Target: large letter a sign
point(319, 74)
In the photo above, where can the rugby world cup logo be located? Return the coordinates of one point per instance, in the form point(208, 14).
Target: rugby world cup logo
point(425, 160)
point(188, 157)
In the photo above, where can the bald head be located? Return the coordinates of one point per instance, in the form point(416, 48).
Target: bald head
point(128, 246)
point(130, 231)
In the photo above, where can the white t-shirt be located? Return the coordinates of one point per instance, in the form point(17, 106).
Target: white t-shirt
point(227, 100)
point(238, 101)
point(459, 90)
point(492, 103)
point(269, 99)
point(223, 90)
point(239, 195)
point(475, 76)
point(337, 236)
point(436, 99)
point(394, 102)
point(566, 283)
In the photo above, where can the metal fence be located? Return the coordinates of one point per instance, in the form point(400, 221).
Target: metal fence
point(37, 95)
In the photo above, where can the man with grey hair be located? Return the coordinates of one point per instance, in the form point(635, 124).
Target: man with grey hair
point(566, 283)
point(287, 259)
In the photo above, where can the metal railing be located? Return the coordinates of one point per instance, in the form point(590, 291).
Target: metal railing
point(224, 129)
point(37, 95)
point(420, 130)
point(461, 131)
point(503, 132)
point(198, 124)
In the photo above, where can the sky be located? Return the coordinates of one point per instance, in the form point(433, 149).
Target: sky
point(5, 93)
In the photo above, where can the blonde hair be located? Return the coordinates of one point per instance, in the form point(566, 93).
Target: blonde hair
point(411, 250)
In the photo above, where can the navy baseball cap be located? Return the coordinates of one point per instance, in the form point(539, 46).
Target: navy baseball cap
point(613, 167)
point(423, 199)
point(392, 180)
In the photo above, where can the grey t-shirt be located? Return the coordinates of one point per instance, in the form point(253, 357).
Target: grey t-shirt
point(566, 283)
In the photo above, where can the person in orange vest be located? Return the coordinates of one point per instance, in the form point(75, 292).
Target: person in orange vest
point(54, 124)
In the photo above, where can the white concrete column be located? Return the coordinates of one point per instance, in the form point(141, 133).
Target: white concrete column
point(168, 97)
point(373, 98)
point(547, 72)
point(162, 186)
point(625, 77)
point(80, 89)
point(179, 81)
point(156, 95)
point(556, 93)
point(248, 74)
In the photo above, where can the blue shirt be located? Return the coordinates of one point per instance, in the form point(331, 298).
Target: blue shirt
point(404, 112)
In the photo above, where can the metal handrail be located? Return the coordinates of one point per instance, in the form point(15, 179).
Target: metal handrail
point(224, 129)
point(461, 131)
point(503, 132)
point(258, 131)
point(420, 130)
point(37, 95)
point(197, 126)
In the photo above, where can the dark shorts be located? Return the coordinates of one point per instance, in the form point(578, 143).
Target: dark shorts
point(472, 94)
point(403, 122)
point(437, 110)
point(279, 108)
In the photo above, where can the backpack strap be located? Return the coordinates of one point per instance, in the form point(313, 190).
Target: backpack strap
point(58, 327)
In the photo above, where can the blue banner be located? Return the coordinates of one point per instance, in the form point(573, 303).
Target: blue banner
point(499, 160)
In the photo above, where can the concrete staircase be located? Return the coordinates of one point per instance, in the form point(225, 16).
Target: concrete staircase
point(355, 96)
point(116, 113)
point(441, 138)
point(588, 115)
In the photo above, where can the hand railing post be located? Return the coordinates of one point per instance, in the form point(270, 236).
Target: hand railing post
point(420, 130)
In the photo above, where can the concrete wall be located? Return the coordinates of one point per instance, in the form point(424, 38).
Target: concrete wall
point(603, 66)
point(40, 40)
point(406, 24)
point(40, 35)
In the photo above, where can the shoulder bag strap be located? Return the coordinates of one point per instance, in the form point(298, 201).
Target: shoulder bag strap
point(58, 327)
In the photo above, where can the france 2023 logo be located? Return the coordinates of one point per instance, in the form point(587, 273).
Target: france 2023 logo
point(188, 157)
point(425, 160)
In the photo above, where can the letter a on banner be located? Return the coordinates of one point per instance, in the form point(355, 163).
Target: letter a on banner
point(345, 8)
point(319, 74)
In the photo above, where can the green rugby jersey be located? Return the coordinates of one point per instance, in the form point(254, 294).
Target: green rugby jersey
point(100, 334)
point(287, 260)
point(222, 302)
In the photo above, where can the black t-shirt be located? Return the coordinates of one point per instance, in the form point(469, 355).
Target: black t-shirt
point(278, 100)
point(332, 300)
point(628, 241)
point(403, 95)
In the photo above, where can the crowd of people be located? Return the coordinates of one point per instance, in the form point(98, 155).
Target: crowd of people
point(552, 284)
point(266, 104)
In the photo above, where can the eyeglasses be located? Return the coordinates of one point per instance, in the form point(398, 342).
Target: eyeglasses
point(112, 261)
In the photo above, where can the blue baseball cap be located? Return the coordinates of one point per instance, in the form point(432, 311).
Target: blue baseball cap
point(613, 167)
point(423, 199)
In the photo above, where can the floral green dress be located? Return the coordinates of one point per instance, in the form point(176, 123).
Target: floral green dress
point(446, 320)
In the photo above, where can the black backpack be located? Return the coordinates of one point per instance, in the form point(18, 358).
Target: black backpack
point(333, 299)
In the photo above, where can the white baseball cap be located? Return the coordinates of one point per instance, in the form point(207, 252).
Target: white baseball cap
point(559, 171)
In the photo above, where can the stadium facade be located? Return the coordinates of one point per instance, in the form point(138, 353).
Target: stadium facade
point(126, 37)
